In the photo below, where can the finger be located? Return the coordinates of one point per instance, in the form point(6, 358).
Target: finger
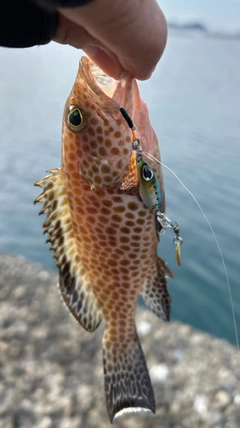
point(106, 60)
point(70, 33)
point(135, 31)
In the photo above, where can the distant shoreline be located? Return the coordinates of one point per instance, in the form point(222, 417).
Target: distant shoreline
point(201, 29)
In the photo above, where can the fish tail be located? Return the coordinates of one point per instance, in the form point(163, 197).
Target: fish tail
point(126, 377)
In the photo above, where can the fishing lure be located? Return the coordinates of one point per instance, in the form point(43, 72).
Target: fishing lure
point(150, 190)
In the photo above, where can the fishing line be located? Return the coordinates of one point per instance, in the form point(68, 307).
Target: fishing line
point(151, 157)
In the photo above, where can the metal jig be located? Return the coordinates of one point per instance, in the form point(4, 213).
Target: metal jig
point(162, 221)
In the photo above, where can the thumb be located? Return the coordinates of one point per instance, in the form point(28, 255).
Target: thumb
point(129, 35)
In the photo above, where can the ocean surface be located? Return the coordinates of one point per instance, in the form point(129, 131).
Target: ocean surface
point(194, 103)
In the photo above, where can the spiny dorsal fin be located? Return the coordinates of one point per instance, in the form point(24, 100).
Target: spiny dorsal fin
point(76, 291)
point(155, 292)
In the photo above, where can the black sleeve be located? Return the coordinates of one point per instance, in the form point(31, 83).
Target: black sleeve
point(25, 23)
point(53, 4)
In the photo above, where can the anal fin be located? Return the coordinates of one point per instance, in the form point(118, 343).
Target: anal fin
point(155, 292)
point(77, 293)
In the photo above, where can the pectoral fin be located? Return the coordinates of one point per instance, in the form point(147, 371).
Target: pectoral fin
point(130, 179)
point(155, 292)
point(76, 291)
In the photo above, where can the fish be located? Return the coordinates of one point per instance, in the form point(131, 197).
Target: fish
point(103, 236)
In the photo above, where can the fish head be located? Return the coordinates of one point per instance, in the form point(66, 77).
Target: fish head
point(96, 138)
point(97, 141)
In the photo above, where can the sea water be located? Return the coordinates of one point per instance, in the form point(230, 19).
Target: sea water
point(194, 103)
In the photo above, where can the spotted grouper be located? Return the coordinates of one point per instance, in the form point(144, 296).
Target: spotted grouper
point(102, 234)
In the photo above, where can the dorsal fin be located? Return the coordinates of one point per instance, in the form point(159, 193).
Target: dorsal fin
point(155, 292)
point(77, 293)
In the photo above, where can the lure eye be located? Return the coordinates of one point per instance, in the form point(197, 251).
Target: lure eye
point(75, 118)
point(147, 173)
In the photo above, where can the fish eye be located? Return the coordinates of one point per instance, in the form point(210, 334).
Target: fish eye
point(75, 118)
point(147, 173)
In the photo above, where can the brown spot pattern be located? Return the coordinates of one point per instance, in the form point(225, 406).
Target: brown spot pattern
point(96, 224)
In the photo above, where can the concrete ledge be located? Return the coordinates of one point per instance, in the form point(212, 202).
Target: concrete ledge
point(51, 369)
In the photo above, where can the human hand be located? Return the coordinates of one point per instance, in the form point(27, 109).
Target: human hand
point(117, 35)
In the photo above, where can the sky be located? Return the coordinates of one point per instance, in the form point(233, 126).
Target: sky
point(216, 14)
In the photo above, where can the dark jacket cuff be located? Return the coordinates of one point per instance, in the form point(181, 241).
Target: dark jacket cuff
point(24, 24)
point(55, 4)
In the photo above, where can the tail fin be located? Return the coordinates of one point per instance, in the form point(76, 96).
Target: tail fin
point(127, 382)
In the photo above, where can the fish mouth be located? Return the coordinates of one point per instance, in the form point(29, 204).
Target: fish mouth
point(108, 93)
point(106, 83)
